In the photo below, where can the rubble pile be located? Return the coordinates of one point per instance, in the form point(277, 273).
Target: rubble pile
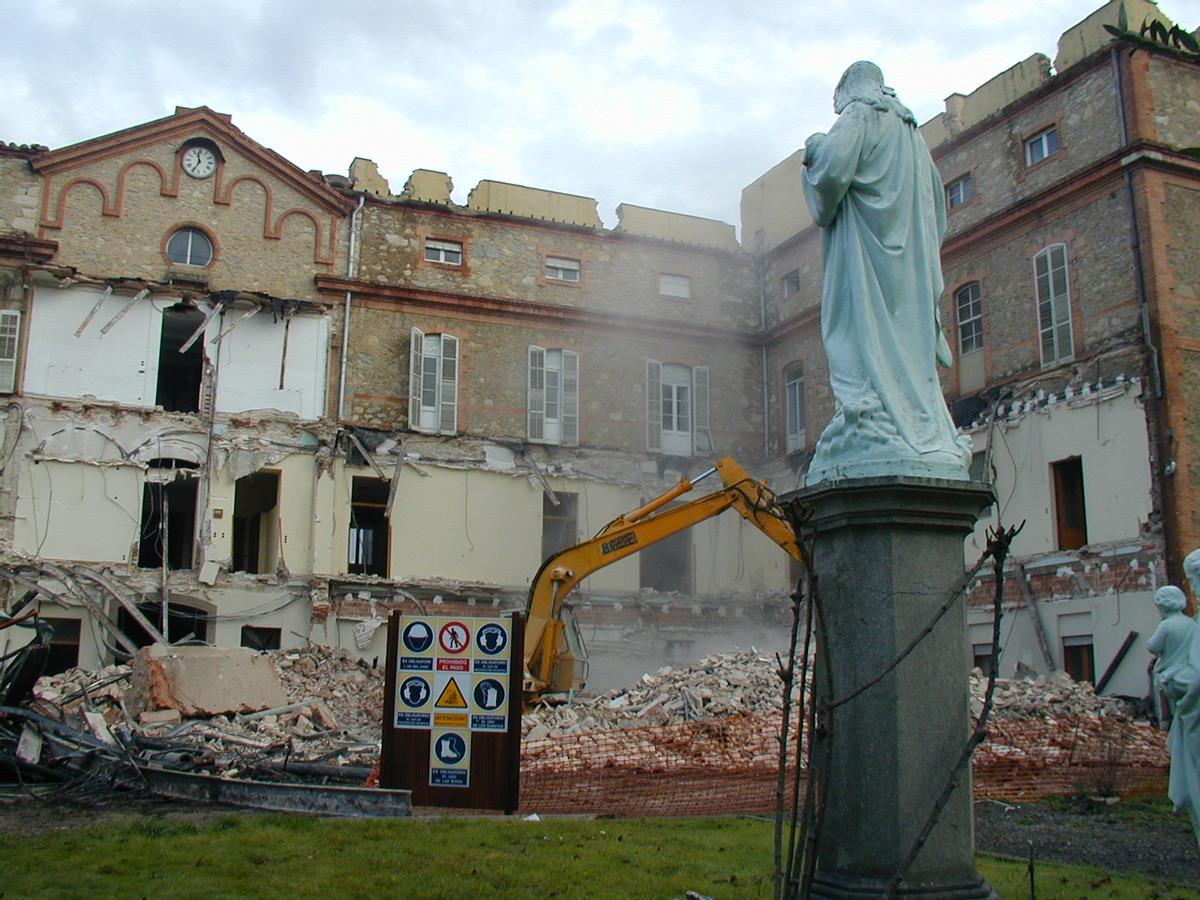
point(724, 684)
point(1057, 696)
point(747, 682)
point(331, 715)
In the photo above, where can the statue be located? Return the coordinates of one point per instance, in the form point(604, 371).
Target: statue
point(873, 189)
point(1176, 643)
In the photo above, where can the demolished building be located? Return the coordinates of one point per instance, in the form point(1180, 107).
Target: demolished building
point(253, 405)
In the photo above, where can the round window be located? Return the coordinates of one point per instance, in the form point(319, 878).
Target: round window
point(190, 247)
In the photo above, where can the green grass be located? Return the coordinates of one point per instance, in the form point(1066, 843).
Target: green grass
point(292, 857)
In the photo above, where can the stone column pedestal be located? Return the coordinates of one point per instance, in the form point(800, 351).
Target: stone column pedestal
point(888, 552)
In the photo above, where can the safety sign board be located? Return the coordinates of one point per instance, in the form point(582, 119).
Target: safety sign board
point(413, 695)
point(449, 758)
point(450, 708)
point(491, 643)
point(489, 706)
point(454, 637)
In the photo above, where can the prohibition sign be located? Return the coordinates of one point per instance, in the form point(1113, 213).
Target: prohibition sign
point(454, 637)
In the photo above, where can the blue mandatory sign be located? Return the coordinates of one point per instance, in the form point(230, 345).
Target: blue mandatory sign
point(450, 749)
point(414, 692)
point(417, 637)
point(491, 639)
point(489, 694)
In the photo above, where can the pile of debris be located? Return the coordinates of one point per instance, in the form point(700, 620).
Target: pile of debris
point(1053, 697)
point(230, 713)
point(747, 682)
point(724, 684)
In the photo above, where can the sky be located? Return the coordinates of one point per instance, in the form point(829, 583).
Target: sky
point(673, 104)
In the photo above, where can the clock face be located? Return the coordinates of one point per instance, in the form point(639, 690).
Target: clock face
point(199, 162)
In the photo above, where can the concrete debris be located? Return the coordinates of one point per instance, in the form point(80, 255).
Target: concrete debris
point(747, 682)
point(315, 705)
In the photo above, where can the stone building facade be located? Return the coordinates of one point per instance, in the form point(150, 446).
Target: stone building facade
point(1069, 187)
point(287, 402)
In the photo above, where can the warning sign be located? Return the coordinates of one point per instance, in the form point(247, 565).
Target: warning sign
point(454, 637)
point(450, 707)
point(449, 758)
point(451, 697)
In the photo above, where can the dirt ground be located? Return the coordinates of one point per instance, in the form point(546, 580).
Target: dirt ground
point(1131, 836)
point(1134, 836)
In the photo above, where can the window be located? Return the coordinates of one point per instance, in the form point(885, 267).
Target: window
point(666, 565)
point(553, 396)
point(559, 268)
point(677, 409)
point(981, 658)
point(1079, 658)
point(793, 390)
point(677, 649)
point(1070, 515)
point(256, 536)
point(970, 317)
point(1041, 145)
point(433, 383)
point(1054, 304)
point(190, 247)
point(10, 330)
point(675, 286)
point(367, 553)
point(560, 524)
point(180, 374)
point(168, 522)
point(959, 191)
point(258, 638)
point(64, 645)
point(185, 623)
point(448, 253)
point(791, 283)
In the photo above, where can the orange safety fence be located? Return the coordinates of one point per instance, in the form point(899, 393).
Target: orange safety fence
point(729, 765)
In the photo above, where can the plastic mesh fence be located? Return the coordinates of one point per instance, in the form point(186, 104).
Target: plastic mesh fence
point(729, 766)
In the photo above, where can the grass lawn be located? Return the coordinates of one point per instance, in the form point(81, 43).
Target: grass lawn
point(293, 857)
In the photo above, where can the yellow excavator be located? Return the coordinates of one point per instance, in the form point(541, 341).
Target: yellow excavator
point(555, 656)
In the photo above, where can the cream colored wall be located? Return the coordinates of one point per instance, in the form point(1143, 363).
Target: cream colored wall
point(296, 510)
point(773, 206)
point(599, 504)
point(671, 226)
point(1089, 35)
point(79, 511)
point(534, 203)
point(1111, 438)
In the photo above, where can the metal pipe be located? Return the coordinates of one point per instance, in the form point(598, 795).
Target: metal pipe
point(683, 487)
point(351, 269)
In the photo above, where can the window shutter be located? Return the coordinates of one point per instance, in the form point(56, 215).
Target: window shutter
point(448, 386)
point(416, 348)
point(653, 404)
point(701, 435)
point(537, 393)
point(10, 330)
point(570, 399)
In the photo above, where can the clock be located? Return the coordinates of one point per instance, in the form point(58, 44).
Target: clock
point(199, 162)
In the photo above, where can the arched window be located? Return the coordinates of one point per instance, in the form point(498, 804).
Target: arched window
point(190, 247)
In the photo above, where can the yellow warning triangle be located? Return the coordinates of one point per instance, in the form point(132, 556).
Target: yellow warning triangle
point(452, 697)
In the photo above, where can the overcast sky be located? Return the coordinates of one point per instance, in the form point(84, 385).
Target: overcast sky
point(676, 105)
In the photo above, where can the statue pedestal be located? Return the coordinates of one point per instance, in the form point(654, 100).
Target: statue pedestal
point(888, 552)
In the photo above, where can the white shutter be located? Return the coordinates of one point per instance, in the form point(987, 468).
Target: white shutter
point(416, 348)
point(570, 398)
point(537, 393)
point(653, 404)
point(448, 386)
point(10, 330)
point(701, 434)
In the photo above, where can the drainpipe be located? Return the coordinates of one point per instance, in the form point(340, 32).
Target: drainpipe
point(762, 326)
point(351, 268)
point(1134, 233)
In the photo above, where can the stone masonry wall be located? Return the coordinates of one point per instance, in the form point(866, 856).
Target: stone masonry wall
point(493, 378)
point(504, 259)
point(1176, 108)
point(132, 244)
point(19, 196)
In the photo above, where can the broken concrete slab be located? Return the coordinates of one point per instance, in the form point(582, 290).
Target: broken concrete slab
point(203, 681)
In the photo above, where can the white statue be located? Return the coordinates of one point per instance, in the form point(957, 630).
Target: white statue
point(1176, 643)
point(873, 188)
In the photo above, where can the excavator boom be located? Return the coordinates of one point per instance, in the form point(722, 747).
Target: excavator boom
point(555, 660)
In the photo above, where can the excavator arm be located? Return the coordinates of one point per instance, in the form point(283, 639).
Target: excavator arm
point(554, 654)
